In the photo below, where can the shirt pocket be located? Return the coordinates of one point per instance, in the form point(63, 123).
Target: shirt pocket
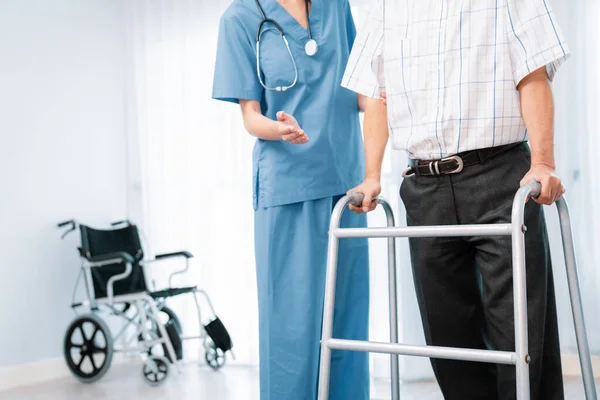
point(413, 76)
point(277, 67)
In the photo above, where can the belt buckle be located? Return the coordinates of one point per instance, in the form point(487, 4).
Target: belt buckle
point(406, 173)
point(459, 161)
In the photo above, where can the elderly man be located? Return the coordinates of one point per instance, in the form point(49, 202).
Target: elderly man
point(468, 85)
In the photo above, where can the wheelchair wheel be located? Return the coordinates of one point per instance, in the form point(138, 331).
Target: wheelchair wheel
point(156, 370)
point(215, 358)
point(88, 348)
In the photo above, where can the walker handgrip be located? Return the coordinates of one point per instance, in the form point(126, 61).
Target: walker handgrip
point(356, 199)
point(536, 189)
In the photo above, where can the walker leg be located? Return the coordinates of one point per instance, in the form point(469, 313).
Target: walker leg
point(575, 293)
point(330, 281)
point(393, 299)
point(520, 304)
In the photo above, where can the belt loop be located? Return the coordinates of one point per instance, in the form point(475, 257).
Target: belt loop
point(483, 156)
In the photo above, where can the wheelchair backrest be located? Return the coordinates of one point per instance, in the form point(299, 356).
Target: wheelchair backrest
point(95, 242)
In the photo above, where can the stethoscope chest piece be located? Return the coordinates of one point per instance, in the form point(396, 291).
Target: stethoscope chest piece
point(311, 48)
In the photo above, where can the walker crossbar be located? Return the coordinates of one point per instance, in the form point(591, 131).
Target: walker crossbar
point(451, 353)
point(425, 231)
point(520, 357)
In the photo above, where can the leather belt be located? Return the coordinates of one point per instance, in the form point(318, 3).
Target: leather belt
point(456, 163)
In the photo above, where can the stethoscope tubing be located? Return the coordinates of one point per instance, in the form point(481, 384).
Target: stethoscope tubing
point(259, 34)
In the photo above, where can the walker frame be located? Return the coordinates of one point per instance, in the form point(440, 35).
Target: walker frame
point(516, 229)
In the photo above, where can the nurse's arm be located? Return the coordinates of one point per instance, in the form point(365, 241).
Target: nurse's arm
point(285, 128)
point(376, 137)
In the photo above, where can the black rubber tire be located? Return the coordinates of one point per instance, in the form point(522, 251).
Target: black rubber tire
point(88, 346)
point(153, 378)
point(215, 358)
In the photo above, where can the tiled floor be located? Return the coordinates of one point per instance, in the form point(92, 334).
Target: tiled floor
point(124, 382)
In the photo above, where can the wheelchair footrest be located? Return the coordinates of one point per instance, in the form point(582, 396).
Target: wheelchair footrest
point(219, 335)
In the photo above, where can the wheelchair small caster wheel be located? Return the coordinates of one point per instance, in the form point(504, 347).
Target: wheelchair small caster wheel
point(156, 370)
point(88, 348)
point(215, 358)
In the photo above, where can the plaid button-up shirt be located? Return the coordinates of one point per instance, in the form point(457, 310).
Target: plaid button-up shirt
point(450, 69)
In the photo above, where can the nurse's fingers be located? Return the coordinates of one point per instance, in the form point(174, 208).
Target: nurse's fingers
point(301, 139)
point(290, 136)
point(289, 132)
point(293, 135)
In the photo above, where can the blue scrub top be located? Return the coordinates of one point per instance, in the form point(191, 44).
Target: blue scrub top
point(332, 161)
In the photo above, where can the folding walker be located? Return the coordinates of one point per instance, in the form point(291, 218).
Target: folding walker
point(520, 357)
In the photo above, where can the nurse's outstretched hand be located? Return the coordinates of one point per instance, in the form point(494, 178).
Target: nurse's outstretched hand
point(370, 189)
point(290, 130)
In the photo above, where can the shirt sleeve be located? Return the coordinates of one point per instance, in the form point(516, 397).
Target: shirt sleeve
point(365, 69)
point(534, 38)
point(235, 69)
point(350, 26)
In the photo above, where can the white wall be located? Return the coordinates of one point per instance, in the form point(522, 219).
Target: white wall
point(62, 155)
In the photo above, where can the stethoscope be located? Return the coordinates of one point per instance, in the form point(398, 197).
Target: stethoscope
point(310, 48)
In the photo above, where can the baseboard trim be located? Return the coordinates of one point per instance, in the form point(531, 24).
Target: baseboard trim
point(53, 369)
point(572, 368)
point(32, 373)
point(44, 371)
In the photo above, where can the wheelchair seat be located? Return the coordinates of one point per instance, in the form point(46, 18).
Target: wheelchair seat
point(172, 292)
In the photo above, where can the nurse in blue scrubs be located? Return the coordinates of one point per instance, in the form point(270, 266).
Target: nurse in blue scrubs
point(308, 153)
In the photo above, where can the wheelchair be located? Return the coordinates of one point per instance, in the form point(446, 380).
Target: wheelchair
point(112, 270)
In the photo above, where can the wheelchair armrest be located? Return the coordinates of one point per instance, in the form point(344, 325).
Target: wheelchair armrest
point(161, 257)
point(111, 257)
point(185, 254)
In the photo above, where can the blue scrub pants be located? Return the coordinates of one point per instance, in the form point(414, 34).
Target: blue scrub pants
point(291, 255)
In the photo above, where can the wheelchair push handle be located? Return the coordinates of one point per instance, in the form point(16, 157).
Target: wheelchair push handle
point(65, 223)
point(122, 222)
point(72, 226)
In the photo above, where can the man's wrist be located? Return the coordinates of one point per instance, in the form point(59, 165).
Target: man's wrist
point(545, 164)
point(541, 159)
point(376, 176)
